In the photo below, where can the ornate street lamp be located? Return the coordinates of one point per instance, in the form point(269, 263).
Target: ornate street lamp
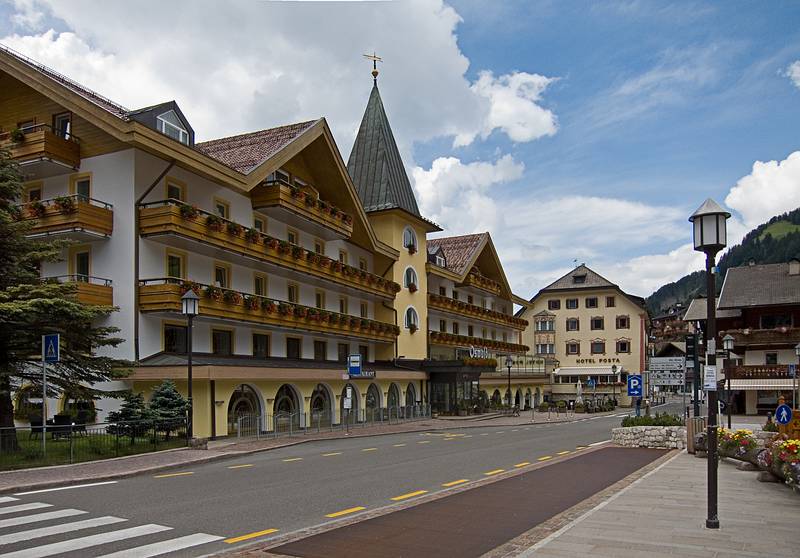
point(710, 236)
point(509, 362)
point(727, 343)
point(190, 306)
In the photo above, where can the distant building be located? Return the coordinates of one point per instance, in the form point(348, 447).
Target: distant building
point(588, 325)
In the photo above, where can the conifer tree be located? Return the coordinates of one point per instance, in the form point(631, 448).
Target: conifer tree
point(168, 407)
point(30, 307)
point(131, 419)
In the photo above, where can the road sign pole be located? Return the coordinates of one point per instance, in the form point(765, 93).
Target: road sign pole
point(44, 404)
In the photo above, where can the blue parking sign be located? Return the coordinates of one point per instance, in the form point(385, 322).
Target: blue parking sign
point(635, 385)
point(50, 348)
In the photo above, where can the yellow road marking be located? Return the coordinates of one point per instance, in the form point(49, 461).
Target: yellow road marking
point(545, 458)
point(293, 459)
point(581, 447)
point(369, 449)
point(523, 464)
point(563, 453)
point(409, 495)
point(496, 471)
point(331, 454)
point(424, 442)
point(240, 466)
point(455, 482)
point(173, 475)
point(399, 445)
point(250, 536)
point(345, 512)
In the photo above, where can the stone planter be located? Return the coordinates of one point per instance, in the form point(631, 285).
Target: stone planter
point(662, 437)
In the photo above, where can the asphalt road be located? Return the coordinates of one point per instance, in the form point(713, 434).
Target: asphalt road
point(240, 501)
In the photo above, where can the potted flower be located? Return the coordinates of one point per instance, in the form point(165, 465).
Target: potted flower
point(298, 252)
point(295, 192)
point(15, 212)
point(214, 223)
point(17, 135)
point(412, 287)
point(322, 206)
point(348, 219)
point(284, 309)
point(36, 208)
point(335, 213)
point(252, 235)
point(313, 315)
point(273, 243)
point(252, 302)
point(412, 328)
point(268, 306)
point(337, 266)
point(187, 286)
point(412, 249)
point(284, 247)
point(310, 202)
point(214, 293)
point(300, 312)
point(325, 262)
point(325, 317)
point(65, 204)
point(234, 228)
point(231, 297)
point(188, 211)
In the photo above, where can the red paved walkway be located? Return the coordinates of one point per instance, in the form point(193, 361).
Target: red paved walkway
point(473, 522)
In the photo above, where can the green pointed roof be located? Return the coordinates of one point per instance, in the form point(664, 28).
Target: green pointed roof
point(375, 164)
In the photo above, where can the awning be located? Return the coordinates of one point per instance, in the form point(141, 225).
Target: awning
point(587, 371)
point(757, 383)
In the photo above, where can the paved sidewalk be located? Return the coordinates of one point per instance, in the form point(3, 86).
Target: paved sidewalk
point(663, 514)
point(45, 477)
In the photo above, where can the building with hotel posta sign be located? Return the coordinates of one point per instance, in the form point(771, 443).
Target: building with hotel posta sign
point(588, 325)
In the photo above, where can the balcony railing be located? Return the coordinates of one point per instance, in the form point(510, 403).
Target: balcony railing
point(176, 218)
point(285, 197)
point(446, 304)
point(775, 371)
point(39, 144)
point(454, 340)
point(73, 215)
point(776, 336)
point(478, 281)
point(164, 295)
point(89, 289)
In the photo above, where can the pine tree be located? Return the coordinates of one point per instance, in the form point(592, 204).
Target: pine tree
point(132, 417)
point(30, 307)
point(168, 407)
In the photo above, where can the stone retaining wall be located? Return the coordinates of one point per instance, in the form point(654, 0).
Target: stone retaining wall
point(666, 437)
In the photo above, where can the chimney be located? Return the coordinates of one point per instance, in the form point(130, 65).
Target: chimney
point(794, 266)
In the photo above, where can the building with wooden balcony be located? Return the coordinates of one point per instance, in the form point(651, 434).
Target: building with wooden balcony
point(41, 150)
point(71, 216)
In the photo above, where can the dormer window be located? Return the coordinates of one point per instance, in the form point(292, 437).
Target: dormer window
point(170, 125)
point(441, 261)
point(579, 279)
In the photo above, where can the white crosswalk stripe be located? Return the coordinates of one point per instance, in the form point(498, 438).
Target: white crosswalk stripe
point(71, 545)
point(24, 507)
point(58, 529)
point(159, 548)
point(46, 516)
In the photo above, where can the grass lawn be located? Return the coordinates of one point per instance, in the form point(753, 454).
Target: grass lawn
point(779, 229)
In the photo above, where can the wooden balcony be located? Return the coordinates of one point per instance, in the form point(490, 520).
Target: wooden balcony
point(453, 340)
point(478, 281)
point(771, 372)
point(89, 289)
point(471, 311)
point(72, 216)
point(303, 210)
point(42, 153)
point(752, 338)
point(164, 295)
point(173, 220)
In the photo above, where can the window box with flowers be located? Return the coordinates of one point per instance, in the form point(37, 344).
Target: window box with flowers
point(412, 287)
point(65, 204)
point(214, 223)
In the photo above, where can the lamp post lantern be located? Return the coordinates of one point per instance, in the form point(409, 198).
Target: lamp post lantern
point(710, 236)
point(614, 385)
point(727, 344)
point(190, 305)
point(509, 362)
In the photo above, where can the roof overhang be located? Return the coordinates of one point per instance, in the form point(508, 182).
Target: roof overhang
point(428, 226)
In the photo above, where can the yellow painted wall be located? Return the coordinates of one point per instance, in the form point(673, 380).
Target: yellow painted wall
point(389, 228)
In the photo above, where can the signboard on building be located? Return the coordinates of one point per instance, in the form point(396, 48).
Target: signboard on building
point(667, 363)
point(479, 352)
point(666, 378)
point(354, 365)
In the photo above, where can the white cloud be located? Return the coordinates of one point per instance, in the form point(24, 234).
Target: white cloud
point(268, 64)
point(772, 187)
point(513, 106)
point(28, 15)
point(793, 73)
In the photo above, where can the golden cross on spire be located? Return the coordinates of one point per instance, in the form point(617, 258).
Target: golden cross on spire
point(375, 59)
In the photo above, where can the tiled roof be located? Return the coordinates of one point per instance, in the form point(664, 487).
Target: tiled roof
point(759, 285)
point(458, 250)
point(591, 279)
point(375, 164)
point(102, 102)
point(245, 152)
point(697, 311)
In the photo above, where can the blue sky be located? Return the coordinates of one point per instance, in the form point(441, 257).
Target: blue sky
point(570, 130)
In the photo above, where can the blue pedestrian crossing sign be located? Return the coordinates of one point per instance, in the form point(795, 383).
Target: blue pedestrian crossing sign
point(590, 382)
point(635, 385)
point(783, 414)
point(50, 347)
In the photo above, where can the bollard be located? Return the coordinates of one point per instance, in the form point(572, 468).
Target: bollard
point(71, 457)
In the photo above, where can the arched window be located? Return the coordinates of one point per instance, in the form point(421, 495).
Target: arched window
point(410, 279)
point(410, 240)
point(412, 320)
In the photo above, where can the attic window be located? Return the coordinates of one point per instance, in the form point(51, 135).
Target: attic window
point(579, 279)
point(170, 125)
point(441, 261)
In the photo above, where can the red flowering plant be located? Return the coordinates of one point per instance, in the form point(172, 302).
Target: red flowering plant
point(736, 443)
point(269, 306)
point(252, 302)
point(187, 286)
point(214, 293)
point(214, 223)
point(234, 228)
point(232, 297)
point(252, 235)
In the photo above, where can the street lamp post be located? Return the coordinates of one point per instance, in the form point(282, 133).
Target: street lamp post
point(727, 344)
point(794, 378)
point(509, 362)
point(614, 385)
point(710, 236)
point(190, 303)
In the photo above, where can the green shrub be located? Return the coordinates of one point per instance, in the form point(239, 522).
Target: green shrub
point(561, 404)
point(770, 427)
point(544, 407)
point(657, 420)
point(579, 408)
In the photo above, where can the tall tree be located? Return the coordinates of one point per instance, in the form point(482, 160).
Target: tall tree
point(30, 307)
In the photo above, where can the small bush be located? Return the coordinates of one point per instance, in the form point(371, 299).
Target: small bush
point(657, 420)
